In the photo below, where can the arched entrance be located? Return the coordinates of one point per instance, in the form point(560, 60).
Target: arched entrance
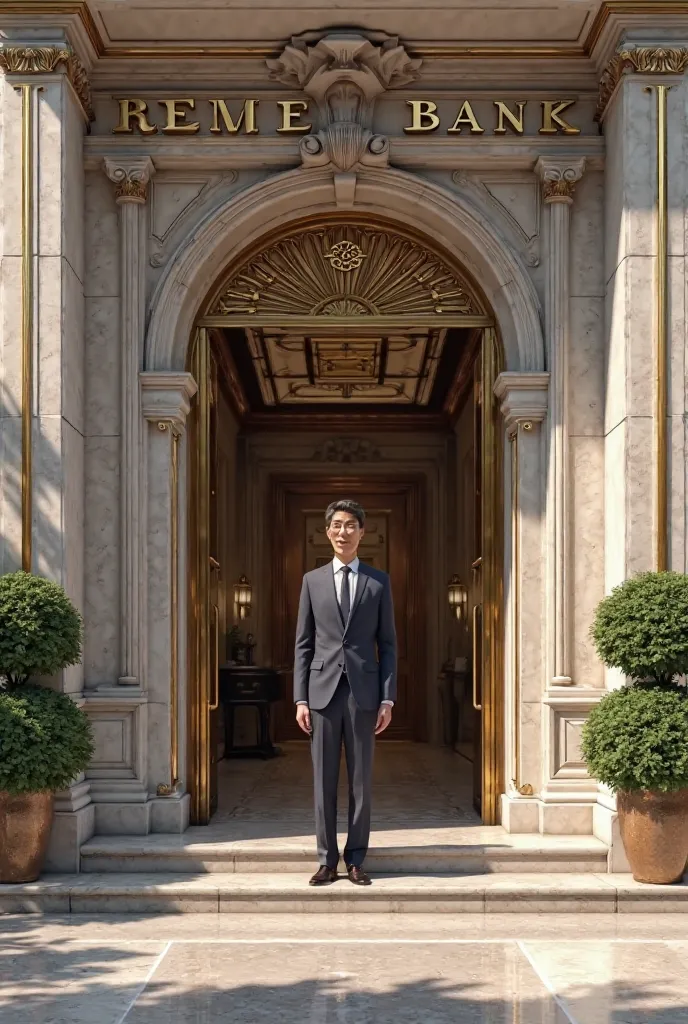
point(356, 316)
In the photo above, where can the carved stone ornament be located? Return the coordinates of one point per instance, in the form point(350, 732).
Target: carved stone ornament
point(131, 178)
point(644, 60)
point(344, 73)
point(347, 449)
point(559, 179)
point(43, 60)
point(344, 270)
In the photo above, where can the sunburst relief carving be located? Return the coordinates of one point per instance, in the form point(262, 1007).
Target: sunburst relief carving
point(344, 270)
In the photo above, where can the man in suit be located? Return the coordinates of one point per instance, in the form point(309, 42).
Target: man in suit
point(345, 668)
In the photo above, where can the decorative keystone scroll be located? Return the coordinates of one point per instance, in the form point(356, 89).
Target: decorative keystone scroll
point(344, 73)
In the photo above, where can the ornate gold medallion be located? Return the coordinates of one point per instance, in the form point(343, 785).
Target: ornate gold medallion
point(345, 256)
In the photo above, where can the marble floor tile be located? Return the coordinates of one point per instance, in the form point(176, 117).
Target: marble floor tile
point(406, 969)
point(246, 984)
point(62, 980)
point(619, 982)
point(411, 782)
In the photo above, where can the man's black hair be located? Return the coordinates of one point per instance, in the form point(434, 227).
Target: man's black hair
point(345, 505)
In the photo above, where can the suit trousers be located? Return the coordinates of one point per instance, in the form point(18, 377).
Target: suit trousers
point(342, 721)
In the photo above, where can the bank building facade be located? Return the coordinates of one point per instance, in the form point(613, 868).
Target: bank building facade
point(257, 257)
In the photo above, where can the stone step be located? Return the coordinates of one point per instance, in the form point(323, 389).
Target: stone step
point(189, 853)
point(290, 893)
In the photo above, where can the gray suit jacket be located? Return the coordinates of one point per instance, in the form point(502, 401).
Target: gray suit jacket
point(366, 647)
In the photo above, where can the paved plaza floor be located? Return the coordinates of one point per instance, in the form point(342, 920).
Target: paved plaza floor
point(342, 969)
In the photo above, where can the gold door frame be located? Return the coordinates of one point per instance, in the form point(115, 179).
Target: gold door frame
point(491, 579)
point(199, 697)
point(200, 669)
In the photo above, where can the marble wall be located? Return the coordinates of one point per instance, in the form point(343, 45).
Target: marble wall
point(102, 373)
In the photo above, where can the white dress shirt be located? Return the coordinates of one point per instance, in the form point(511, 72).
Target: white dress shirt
point(337, 566)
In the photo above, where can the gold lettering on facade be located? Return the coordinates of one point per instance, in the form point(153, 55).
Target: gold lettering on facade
point(247, 117)
point(552, 122)
point(515, 120)
point(134, 115)
point(291, 111)
point(136, 109)
point(424, 117)
point(176, 117)
point(466, 116)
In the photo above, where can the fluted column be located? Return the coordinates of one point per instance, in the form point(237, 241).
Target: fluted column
point(559, 181)
point(131, 185)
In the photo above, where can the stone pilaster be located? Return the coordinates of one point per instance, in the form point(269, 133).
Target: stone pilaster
point(523, 398)
point(635, 472)
point(44, 109)
point(131, 178)
point(166, 400)
point(559, 181)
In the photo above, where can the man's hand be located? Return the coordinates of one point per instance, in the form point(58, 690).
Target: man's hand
point(303, 717)
point(384, 717)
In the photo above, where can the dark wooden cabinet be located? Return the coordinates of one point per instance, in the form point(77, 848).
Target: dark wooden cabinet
point(249, 686)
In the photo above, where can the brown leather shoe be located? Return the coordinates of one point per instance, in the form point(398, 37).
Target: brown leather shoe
point(358, 875)
point(324, 876)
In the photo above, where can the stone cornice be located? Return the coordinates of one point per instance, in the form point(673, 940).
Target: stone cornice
point(643, 60)
point(523, 396)
point(166, 396)
point(43, 60)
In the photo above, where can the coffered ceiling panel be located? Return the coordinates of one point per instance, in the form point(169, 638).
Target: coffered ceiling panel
point(398, 369)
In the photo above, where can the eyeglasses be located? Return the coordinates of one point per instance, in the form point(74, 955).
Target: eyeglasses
point(349, 527)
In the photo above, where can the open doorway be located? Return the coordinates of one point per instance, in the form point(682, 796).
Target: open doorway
point(290, 413)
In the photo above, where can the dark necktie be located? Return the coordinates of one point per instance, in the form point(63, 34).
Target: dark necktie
point(345, 597)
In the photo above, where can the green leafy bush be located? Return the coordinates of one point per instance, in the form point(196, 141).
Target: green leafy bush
point(45, 740)
point(642, 627)
point(40, 629)
point(636, 738)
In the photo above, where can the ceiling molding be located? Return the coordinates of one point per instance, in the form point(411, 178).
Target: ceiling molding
point(423, 50)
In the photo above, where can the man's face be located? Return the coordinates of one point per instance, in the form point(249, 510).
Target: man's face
point(345, 535)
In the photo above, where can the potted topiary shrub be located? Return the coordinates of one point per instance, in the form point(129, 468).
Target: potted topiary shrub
point(636, 739)
point(45, 739)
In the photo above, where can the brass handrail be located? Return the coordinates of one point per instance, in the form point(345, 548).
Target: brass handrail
point(214, 705)
point(478, 707)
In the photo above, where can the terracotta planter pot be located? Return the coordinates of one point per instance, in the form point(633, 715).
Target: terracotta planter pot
point(654, 830)
point(25, 823)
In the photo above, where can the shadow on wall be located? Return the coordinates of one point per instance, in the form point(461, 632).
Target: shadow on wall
point(496, 981)
point(48, 509)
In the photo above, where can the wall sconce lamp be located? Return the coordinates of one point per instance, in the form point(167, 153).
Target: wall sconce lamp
point(243, 595)
point(457, 595)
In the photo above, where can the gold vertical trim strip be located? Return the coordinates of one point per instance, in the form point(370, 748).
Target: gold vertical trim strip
point(199, 585)
point(493, 642)
point(27, 301)
point(661, 347)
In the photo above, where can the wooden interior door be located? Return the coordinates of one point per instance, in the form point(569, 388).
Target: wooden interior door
point(392, 543)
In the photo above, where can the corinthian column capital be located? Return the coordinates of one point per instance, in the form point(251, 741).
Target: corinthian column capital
point(131, 177)
point(559, 178)
point(44, 60)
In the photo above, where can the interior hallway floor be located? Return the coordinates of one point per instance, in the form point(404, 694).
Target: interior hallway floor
point(415, 787)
